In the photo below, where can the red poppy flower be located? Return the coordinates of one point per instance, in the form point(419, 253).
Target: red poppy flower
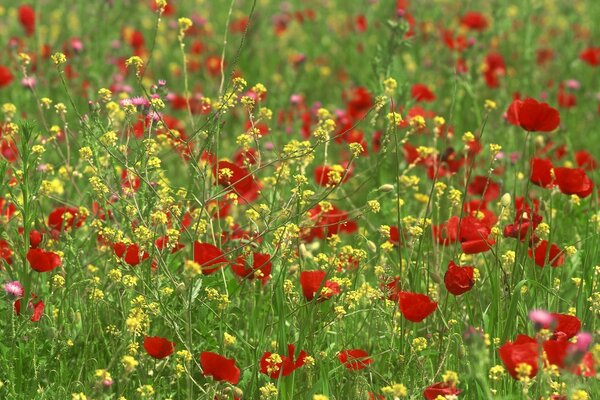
point(230, 174)
point(6, 78)
point(27, 19)
point(485, 187)
point(395, 236)
point(524, 350)
point(441, 389)
point(477, 246)
point(564, 98)
point(168, 10)
point(285, 367)
point(421, 92)
point(416, 307)
point(360, 22)
point(591, 56)
point(474, 21)
point(585, 160)
point(567, 355)
point(35, 238)
point(208, 255)
point(446, 233)
point(327, 223)
point(567, 326)
point(479, 210)
point(541, 172)
point(219, 367)
point(573, 181)
point(533, 116)
point(555, 256)
point(136, 40)
point(64, 218)
point(158, 347)
point(43, 261)
point(358, 102)
point(392, 288)
point(458, 280)
point(494, 69)
point(326, 175)
point(130, 253)
point(129, 182)
point(163, 243)
point(213, 65)
point(5, 251)
point(261, 263)
point(525, 222)
point(355, 359)
point(312, 281)
point(474, 236)
point(38, 310)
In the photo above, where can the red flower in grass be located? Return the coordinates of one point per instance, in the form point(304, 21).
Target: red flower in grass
point(525, 222)
point(260, 269)
point(27, 19)
point(6, 77)
point(219, 367)
point(524, 350)
point(43, 261)
point(474, 21)
point(326, 175)
point(541, 172)
point(162, 243)
point(392, 288)
point(38, 308)
point(458, 280)
point(421, 92)
point(158, 347)
point(209, 257)
point(5, 252)
point(38, 311)
point(395, 237)
point(533, 116)
point(64, 218)
point(591, 56)
point(441, 389)
point(585, 160)
point(355, 359)
point(358, 102)
point(495, 67)
point(130, 253)
point(312, 281)
point(285, 367)
point(573, 181)
point(477, 246)
point(474, 236)
point(485, 187)
point(569, 356)
point(35, 238)
point(238, 178)
point(555, 257)
point(567, 326)
point(328, 222)
point(416, 307)
point(447, 232)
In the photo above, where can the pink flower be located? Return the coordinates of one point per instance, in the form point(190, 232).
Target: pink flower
point(584, 339)
point(14, 289)
point(541, 318)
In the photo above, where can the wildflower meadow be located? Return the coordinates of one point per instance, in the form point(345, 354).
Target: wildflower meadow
point(299, 200)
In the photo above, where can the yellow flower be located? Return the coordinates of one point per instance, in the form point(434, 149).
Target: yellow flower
point(58, 58)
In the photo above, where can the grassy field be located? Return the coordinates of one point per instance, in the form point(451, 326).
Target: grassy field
point(259, 199)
